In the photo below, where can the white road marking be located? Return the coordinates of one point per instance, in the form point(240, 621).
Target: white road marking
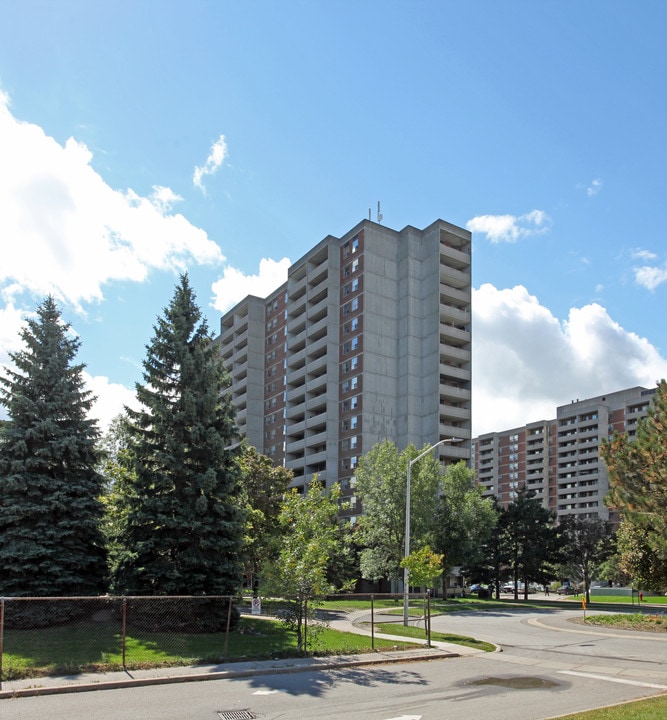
point(268, 692)
point(613, 679)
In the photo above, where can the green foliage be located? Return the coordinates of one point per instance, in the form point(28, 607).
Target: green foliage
point(180, 526)
point(310, 538)
point(262, 488)
point(638, 560)
point(464, 519)
point(117, 469)
point(381, 485)
point(50, 537)
point(529, 538)
point(585, 545)
point(638, 478)
point(424, 566)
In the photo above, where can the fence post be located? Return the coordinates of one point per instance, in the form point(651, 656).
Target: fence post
point(372, 622)
point(428, 618)
point(124, 621)
point(2, 634)
point(229, 622)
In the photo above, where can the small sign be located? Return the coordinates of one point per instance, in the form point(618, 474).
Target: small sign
point(256, 606)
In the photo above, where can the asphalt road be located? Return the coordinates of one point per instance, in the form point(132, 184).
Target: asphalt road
point(548, 667)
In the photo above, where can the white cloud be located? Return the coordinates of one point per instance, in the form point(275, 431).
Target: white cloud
point(234, 285)
point(526, 362)
point(645, 255)
point(164, 198)
point(66, 232)
point(11, 323)
point(111, 399)
point(594, 188)
point(650, 277)
point(510, 228)
point(213, 162)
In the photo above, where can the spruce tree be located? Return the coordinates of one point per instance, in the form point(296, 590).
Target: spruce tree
point(182, 528)
point(50, 512)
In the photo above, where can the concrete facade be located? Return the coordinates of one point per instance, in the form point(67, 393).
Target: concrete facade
point(369, 339)
point(560, 458)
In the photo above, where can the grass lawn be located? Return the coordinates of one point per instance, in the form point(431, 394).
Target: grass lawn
point(416, 632)
point(72, 650)
point(648, 599)
point(651, 709)
point(630, 621)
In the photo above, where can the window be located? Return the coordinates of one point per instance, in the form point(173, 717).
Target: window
point(353, 442)
point(355, 245)
point(354, 324)
point(354, 382)
point(355, 343)
point(354, 285)
point(354, 363)
point(354, 402)
point(354, 420)
point(355, 265)
point(354, 304)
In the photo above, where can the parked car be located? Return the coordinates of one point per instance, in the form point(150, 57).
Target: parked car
point(475, 588)
point(565, 590)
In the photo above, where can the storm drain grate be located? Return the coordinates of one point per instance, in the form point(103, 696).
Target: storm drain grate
point(236, 715)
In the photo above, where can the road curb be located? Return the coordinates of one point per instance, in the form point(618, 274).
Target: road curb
point(309, 665)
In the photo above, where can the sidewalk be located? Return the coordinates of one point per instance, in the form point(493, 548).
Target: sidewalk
point(85, 682)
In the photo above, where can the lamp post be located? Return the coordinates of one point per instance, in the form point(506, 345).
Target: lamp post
point(406, 572)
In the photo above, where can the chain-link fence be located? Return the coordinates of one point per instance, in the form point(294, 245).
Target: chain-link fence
point(44, 636)
point(57, 636)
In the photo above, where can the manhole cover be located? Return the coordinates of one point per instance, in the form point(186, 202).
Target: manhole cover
point(236, 715)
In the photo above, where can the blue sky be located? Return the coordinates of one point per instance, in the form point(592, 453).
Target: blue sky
point(141, 139)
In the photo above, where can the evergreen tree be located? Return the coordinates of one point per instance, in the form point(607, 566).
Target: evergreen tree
point(530, 540)
point(638, 478)
point(181, 529)
point(50, 513)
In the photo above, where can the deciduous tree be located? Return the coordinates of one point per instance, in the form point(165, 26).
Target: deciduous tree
point(585, 545)
point(263, 486)
point(310, 539)
point(464, 518)
point(381, 485)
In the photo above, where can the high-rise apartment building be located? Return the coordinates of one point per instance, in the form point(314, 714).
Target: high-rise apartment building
point(369, 339)
point(560, 459)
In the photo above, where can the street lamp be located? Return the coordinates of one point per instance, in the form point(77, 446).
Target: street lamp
point(406, 572)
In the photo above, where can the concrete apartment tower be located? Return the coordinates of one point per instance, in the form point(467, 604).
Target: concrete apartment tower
point(369, 339)
point(560, 458)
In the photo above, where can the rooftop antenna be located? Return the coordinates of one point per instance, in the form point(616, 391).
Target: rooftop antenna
point(369, 213)
point(380, 216)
